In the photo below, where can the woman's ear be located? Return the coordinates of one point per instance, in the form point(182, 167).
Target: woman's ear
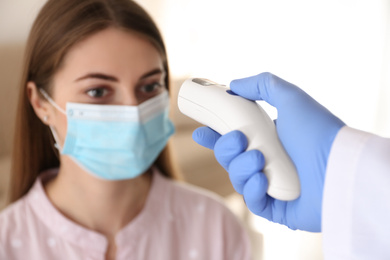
point(41, 107)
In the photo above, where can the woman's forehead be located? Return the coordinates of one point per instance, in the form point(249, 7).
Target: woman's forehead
point(114, 51)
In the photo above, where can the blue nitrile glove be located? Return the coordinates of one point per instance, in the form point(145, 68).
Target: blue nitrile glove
point(306, 130)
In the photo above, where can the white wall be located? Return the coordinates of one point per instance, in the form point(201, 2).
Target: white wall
point(16, 18)
point(335, 50)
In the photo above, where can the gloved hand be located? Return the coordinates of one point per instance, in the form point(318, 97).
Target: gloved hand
point(306, 130)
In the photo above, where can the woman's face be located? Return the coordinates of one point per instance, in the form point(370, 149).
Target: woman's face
point(113, 67)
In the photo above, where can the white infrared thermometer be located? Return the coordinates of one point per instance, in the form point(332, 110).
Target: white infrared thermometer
point(217, 107)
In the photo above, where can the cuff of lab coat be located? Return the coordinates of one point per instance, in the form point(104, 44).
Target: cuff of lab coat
point(339, 190)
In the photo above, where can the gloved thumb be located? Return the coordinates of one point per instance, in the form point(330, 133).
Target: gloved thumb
point(267, 87)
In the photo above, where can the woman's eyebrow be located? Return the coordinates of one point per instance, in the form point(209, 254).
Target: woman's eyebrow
point(98, 76)
point(112, 78)
point(152, 72)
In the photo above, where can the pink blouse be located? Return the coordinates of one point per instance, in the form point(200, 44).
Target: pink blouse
point(178, 221)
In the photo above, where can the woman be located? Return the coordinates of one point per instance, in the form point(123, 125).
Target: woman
point(96, 79)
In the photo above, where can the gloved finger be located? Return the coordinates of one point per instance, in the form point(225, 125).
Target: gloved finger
point(265, 86)
point(243, 167)
point(229, 146)
point(205, 136)
point(255, 195)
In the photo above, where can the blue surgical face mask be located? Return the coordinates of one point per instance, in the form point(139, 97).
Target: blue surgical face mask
point(116, 142)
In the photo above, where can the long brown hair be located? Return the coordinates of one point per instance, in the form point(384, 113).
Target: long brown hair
point(61, 24)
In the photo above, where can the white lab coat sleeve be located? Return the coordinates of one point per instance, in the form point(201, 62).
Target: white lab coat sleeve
point(356, 202)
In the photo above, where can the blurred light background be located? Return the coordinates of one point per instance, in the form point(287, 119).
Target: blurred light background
point(337, 50)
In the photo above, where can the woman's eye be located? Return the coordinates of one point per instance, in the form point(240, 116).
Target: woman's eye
point(150, 88)
point(97, 92)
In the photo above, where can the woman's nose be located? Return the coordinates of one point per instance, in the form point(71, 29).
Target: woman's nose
point(128, 98)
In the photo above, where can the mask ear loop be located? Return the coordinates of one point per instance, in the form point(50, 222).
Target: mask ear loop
point(51, 101)
point(54, 104)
